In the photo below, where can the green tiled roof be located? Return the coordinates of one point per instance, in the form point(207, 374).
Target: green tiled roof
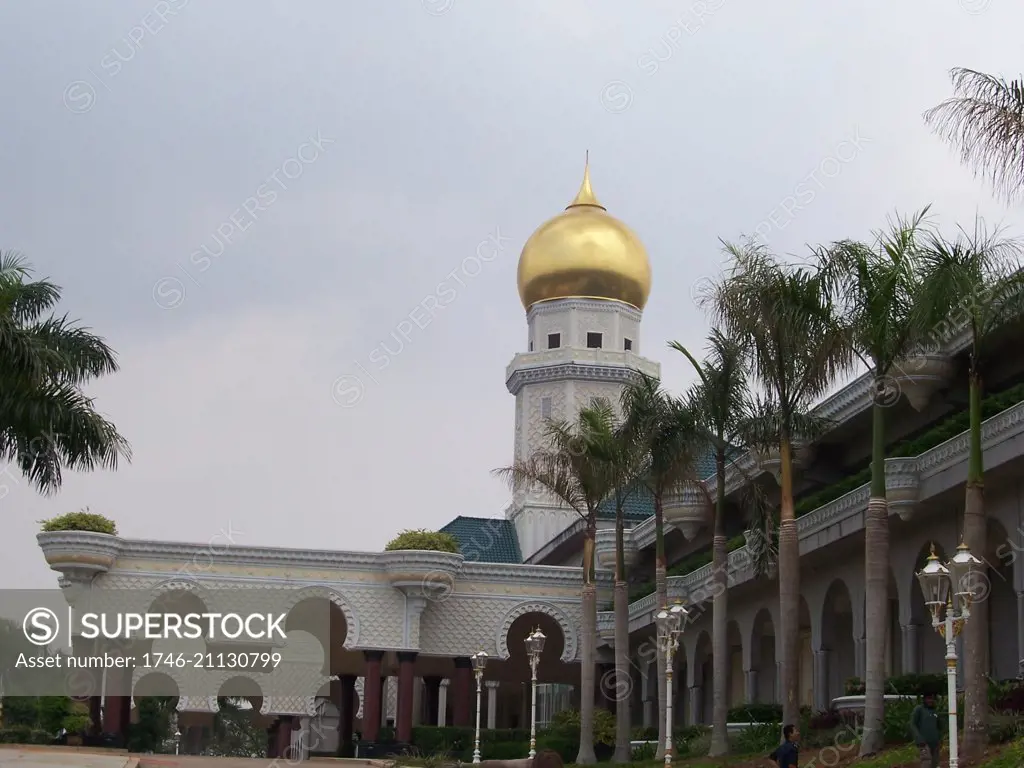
point(486, 539)
point(639, 505)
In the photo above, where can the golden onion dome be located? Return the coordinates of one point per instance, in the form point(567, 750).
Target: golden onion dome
point(584, 252)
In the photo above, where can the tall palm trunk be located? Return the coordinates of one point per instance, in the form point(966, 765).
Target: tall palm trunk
point(719, 638)
point(976, 630)
point(623, 679)
point(876, 588)
point(789, 588)
point(661, 590)
point(588, 652)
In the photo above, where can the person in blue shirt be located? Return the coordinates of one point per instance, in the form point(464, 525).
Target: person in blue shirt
point(788, 751)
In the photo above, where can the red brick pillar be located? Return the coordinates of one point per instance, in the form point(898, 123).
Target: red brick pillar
point(272, 739)
point(372, 695)
point(406, 681)
point(285, 725)
point(95, 714)
point(462, 709)
point(347, 711)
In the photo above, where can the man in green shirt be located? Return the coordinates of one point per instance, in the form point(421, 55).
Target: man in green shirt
point(926, 728)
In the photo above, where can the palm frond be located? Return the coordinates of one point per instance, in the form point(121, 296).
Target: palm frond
point(984, 121)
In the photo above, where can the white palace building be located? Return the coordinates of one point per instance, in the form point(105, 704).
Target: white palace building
point(402, 626)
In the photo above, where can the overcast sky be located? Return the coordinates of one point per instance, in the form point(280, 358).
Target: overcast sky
point(247, 198)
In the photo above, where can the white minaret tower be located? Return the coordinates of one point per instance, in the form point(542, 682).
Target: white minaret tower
point(584, 279)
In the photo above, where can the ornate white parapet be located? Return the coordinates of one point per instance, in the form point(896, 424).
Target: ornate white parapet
point(688, 509)
point(605, 547)
point(921, 376)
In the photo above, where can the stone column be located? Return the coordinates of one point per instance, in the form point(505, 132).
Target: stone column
point(1020, 633)
point(346, 712)
point(406, 680)
point(910, 648)
point(372, 695)
point(442, 702)
point(750, 685)
point(820, 682)
point(432, 696)
point(778, 682)
point(492, 703)
point(695, 705)
point(462, 707)
point(860, 657)
point(649, 692)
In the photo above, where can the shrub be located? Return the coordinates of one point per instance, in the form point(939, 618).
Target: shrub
point(896, 721)
point(16, 734)
point(431, 541)
point(604, 724)
point(854, 686)
point(83, 520)
point(757, 739)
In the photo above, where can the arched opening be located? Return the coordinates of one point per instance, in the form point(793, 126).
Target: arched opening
point(837, 638)
point(762, 655)
point(154, 715)
point(556, 681)
point(239, 727)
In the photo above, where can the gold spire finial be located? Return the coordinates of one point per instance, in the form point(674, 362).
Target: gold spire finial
point(586, 194)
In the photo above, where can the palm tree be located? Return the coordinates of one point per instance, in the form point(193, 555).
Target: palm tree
point(721, 405)
point(573, 471)
point(783, 315)
point(46, 423)
point(881, 307)
point(985, 122)
point(976, 279)
point(624, 454)
point(668, 430)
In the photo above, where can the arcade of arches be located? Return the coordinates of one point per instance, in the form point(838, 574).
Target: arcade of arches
point(370, 689)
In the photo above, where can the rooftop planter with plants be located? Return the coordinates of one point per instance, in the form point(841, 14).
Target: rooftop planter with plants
point(947, 429)
point(426, 561)
point(81, 542)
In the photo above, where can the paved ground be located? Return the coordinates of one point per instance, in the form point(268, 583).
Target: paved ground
point(62, 757)
point(12, 756)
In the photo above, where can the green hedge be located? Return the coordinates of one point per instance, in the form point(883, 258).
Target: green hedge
point(498, 744)
point(22, 734)
point(945, 430)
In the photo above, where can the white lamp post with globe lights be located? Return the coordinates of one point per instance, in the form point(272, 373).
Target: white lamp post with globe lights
point(479, 662)
point(670, 622)
point(534, 648)
point(949, 612)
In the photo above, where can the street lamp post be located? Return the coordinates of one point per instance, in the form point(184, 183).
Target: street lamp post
point(534, 648)
point(949, 612)
point(670, 622)
point(479, 662)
